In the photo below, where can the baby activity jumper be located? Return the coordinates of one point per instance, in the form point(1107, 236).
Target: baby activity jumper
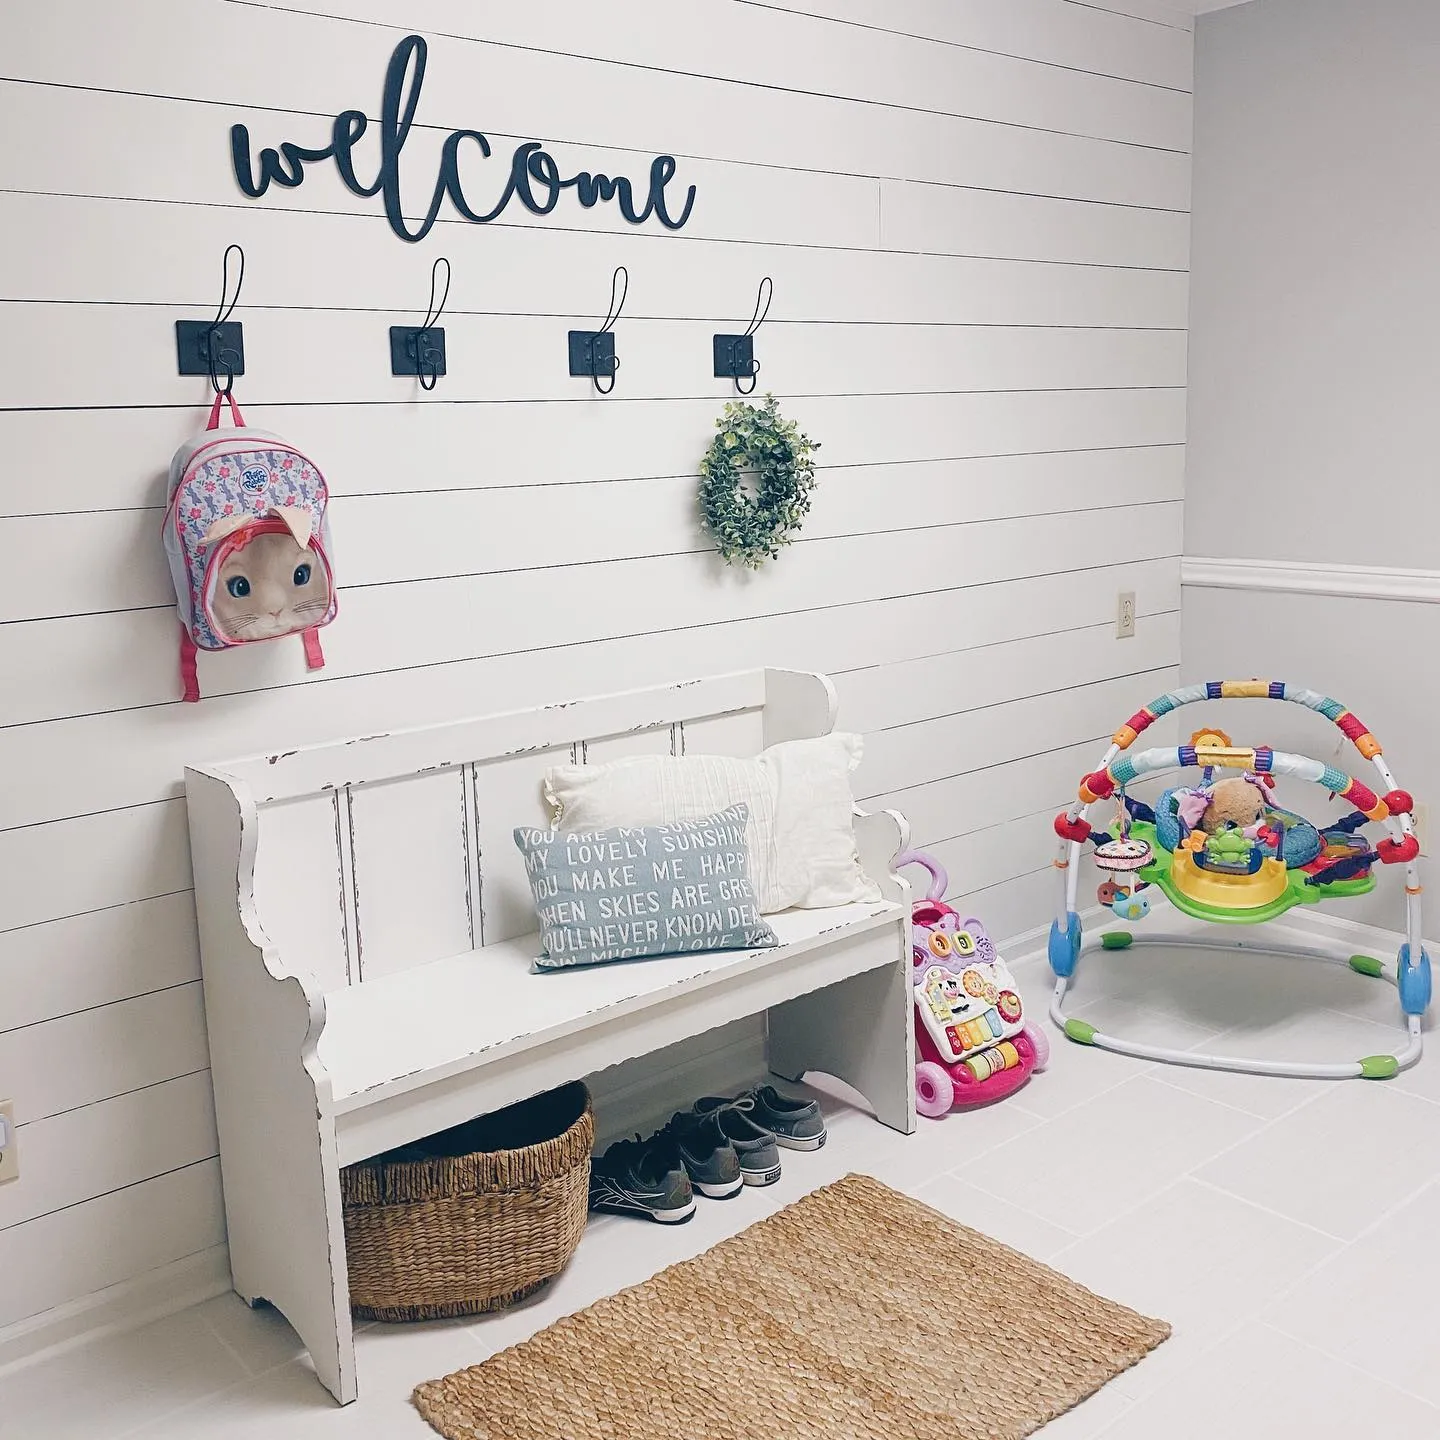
point(1222, 850)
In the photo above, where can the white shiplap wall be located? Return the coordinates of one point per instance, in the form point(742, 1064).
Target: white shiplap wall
point(976, 220)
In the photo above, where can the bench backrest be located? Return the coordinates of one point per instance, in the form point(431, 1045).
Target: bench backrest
point(385, 852)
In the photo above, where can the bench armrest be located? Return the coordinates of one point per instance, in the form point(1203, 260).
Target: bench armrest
point(880, 837)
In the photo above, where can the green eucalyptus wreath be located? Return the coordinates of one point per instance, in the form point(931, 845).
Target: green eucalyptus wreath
point(756, 437)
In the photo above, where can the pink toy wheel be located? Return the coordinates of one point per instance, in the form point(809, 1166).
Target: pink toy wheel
point(1041, 1043)
point(934, 1089)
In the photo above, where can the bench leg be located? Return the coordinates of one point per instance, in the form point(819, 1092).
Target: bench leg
point(287, 1248)
point(860, 1031)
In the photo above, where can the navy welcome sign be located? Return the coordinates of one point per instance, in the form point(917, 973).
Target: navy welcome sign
point(534, 179)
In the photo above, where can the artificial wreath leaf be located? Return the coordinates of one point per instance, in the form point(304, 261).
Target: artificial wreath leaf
point(758, 438)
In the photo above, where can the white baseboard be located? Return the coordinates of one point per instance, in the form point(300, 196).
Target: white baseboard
point(147, 1297)
point(1298, 577)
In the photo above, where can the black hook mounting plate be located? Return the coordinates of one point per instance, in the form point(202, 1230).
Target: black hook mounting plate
point(412, 345)
point(193, 341)
point(592, 352)
point(734, 356)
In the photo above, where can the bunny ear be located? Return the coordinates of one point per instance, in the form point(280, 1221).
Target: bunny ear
point(1191, 806)
point(226, 525)
point(298, 522)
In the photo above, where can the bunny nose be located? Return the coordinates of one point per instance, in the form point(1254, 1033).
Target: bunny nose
point(276, 614)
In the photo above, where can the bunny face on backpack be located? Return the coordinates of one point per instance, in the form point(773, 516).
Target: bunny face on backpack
point(248, 539)
point(267, 585)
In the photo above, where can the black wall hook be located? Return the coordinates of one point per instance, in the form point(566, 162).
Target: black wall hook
point(592, 352)
point(735, 354)
point(419, 350)
point(206, 347)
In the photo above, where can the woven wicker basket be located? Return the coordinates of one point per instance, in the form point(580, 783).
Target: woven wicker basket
point(472, 1219)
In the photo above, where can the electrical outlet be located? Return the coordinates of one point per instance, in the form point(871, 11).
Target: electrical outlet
point(1125, 615)
point(1420, 822)
point(9, 1147)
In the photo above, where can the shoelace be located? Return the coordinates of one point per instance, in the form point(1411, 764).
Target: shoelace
point(743, 1103)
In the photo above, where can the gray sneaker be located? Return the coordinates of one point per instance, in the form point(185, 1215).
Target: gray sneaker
point(795, 1124)
point(759, 1159)
point(709, 1158)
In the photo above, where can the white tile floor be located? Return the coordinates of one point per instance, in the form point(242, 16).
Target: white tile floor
point(1289, 1230)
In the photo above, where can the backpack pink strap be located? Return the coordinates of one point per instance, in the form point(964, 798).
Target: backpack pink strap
point(235, 414)
point(314, 655)
point(188, 678)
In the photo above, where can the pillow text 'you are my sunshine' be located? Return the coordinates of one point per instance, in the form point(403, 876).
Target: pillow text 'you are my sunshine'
point(624, 893)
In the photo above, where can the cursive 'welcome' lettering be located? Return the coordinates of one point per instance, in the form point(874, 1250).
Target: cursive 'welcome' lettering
point(535, 179)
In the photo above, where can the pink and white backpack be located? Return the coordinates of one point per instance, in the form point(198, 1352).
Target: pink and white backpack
point(248, 541)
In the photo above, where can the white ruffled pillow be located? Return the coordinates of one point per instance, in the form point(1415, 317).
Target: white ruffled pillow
point(800, 832)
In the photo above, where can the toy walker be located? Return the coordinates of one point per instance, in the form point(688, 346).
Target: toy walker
point(973, 1044)
point(1223, 851)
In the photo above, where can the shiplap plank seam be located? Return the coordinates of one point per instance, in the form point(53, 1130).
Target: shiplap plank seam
point(283, 685)
point(820, 470)
point(631, 399)
point(19, 1226)
point(587, 564)
point(720, 161)
point(773, 89)
point(563, 229)
point(910, 35)
point(130, 1090)
point(756, 5)
point(1012, 701)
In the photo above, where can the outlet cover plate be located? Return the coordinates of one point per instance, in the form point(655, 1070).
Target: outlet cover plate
point(1125, 615)
point(9, 1148)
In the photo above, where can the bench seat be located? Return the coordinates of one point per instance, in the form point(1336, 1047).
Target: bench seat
point(418, 1026)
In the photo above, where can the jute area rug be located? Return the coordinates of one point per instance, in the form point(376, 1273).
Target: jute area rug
point(855, 1314)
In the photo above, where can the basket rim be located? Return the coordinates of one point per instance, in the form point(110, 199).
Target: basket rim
point(377, 1183)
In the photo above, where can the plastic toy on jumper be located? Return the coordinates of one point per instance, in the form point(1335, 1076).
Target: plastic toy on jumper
point(1222, 850)
point(970, 1033)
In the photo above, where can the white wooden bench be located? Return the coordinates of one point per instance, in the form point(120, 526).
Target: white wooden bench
point(367, 931)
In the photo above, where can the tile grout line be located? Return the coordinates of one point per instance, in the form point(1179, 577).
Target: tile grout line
point(1337, 1240)
point(1359, 1370)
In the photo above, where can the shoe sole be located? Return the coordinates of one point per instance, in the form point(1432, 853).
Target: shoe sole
point(726, 1190)
point(802, 1142)
point(760, 1177)
point(662, 1217)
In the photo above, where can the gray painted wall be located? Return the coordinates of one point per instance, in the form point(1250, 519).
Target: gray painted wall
point(1315, 374)
point(1315, 283)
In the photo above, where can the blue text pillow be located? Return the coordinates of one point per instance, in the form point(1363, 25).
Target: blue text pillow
point(623, 893)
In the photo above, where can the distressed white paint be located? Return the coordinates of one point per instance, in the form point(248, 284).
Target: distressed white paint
point(979, 312)
point(314, 1070)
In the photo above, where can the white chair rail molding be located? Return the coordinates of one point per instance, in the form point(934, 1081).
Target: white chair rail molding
point(367, 940)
